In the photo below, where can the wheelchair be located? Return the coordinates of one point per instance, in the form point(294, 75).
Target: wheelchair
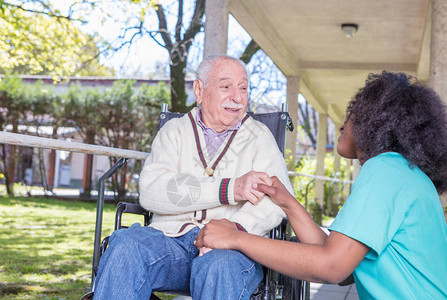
point(274, 285)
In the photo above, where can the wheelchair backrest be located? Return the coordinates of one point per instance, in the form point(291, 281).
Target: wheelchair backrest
point(277, 122)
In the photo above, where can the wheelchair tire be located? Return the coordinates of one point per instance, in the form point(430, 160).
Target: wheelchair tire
point(292, 289)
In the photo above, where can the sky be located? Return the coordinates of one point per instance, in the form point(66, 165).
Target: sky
point(136, 59)
point(143, 57)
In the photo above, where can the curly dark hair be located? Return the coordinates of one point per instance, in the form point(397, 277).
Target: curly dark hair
point(395, 112)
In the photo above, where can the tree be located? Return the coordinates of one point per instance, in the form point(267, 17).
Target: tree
point(81, 106)
point(178, 44)
point(121, 117)
point(128, 119)
point(46, 44)
point(22, 105)
point(43, 45)
point(11, 101)
point(39, 109)
point(137, 23)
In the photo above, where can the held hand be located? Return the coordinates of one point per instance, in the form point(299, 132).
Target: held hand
point(204, 250)
point(277, 192)
point(243, 187)
point(217, 234)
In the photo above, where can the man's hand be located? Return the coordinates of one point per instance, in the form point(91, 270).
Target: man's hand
point(243, 187)
point(204, 250)
point(217, 234)
point(277, 192)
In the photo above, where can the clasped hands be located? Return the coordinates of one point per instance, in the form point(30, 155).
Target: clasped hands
point(244, 187)
point(244, 191)
point(252, 187)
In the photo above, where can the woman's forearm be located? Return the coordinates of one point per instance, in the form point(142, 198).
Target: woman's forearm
point(303, 225)
point(302, 261)
point(331, 261)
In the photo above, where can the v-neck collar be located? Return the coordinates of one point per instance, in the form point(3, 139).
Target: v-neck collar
point(211, 166)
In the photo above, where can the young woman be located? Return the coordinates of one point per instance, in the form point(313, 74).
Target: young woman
point(391, 233)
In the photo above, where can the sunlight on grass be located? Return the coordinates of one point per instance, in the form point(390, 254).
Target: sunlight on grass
point(47, 246)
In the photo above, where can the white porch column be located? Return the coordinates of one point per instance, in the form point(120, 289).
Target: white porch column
point(438, 54)
point(337, 157)
point(293, 86)
point(321, 150)
point(349, 175)
point(337, 167)
point(216, 27)
point(357, 166)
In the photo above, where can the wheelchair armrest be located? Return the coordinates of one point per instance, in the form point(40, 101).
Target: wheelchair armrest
point(279, 232)
point(131, 208)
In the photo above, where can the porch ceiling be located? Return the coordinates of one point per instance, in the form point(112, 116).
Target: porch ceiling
point(304, 38)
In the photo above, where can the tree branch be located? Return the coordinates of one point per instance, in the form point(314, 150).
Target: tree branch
point(153, 34)
point(249, 51)
point(178, 26)
point(138, 33)
point(163, 27)
point(196, 21)
point(47, 12)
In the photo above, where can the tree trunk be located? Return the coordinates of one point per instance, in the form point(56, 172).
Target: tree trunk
point(87, 182)
point(43, 172)
point(12, 162)
point(178, 93)
point(5, 157)
point(52, 170)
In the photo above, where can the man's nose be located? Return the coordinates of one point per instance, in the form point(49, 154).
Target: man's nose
point(236, 95)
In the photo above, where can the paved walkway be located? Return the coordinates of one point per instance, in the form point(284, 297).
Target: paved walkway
point(321, 292)
point(333, 292)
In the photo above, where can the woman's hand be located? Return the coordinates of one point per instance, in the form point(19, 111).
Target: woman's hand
point(302, 223)
point(219, 234)
point(277, 192)
point(243, 187)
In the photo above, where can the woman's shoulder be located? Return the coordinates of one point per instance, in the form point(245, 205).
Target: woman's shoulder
point(385, 167)
point(395, 164)
point(387, 159)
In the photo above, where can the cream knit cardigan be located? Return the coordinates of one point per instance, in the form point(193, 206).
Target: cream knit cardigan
point(175, 187)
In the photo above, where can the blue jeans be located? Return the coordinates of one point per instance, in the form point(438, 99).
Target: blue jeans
point(140, 260)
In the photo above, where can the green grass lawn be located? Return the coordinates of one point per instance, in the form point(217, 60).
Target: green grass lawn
point(46, 246)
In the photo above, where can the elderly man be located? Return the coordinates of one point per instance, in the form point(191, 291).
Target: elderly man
point(202, 166)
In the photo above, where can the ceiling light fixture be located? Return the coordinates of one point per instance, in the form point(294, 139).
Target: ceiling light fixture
point(349, 29)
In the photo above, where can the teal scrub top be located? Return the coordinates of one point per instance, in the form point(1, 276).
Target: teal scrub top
point(395, 210)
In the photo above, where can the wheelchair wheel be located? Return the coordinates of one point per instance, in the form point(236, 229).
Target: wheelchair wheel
point(292, 289)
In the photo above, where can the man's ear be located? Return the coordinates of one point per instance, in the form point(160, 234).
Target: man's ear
point(198, 90)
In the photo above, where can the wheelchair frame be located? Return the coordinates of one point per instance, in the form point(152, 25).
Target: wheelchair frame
point(268, 289)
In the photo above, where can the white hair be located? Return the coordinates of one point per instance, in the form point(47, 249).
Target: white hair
point(204, 69)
